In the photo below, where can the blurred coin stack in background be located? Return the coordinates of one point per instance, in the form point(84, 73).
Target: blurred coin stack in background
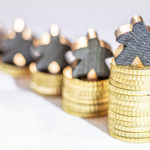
point(129, 107)
point(85, 90)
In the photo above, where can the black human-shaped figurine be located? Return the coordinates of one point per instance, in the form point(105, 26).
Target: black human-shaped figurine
point(92, 57)
point(52, 59)
point(135, 40)
point(2, 39)
point(18, 46)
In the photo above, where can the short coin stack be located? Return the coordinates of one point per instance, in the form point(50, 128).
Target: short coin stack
point(129, 108)
point(85, 98)
point(46, 84)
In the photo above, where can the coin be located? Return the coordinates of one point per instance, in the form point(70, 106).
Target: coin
point(128, 92)
point(71, 98)
point(130, 134)
point(130, 70)
point(84, 108)
point(139, 104)
point(46, 79)
point(83, 92)
point(129, 124)
point(129, 87)
point(130, 113)
point(84, 83)
point(134, 98)
point(128, 118)
point(45, 90)
point(129, 77)
point(86, 114)
point(130, 140)
point(130, 82)
point(46, 84)
point(14, 70)
point(85, 96)
point(129, 129)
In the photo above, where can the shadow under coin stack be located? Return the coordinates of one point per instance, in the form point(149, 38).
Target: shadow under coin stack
point(16, 50)
point(85, 90)
point(47, 71)
point(129, 107)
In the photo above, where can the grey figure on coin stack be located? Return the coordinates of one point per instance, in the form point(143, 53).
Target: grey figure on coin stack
point(53, 51)
point(48, 69)
point(135, 44)
point(85, 90)
point(17, 55)
point(92, 57)
point(129, 94)
point(3, 37)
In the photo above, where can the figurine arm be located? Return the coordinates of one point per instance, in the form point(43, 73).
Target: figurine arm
point(35, 53)
point(81, 53)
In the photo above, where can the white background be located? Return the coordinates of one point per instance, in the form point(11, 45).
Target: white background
point(75, 16)
point(31, 122)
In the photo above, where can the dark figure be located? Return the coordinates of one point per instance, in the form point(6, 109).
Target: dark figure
point(136, 43)
point(92, 58)
point(54, 51)
point(17, 50)
point(17, 45)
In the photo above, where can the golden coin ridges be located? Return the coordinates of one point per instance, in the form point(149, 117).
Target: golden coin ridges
point(129, 103)
point(46, 84)
point(85, 98)
point(14, 70)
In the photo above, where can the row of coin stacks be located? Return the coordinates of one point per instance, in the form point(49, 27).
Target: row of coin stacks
point(129, 106)
point(84, 83)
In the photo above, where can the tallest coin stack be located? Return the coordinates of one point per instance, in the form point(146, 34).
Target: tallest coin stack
point(129, 107)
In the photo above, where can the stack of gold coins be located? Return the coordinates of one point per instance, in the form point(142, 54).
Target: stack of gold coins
point(44, 83)
point(129, 105)
point(13, 70)
point(84, 98)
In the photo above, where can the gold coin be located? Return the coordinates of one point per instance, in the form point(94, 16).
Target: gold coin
point(129, 92)
point(129, 108)
point(86, 114)
point(139, 104)
point(71, 98)
point(134, 98)
point(84, 83)
point(128, 118)
point(14, 70)
point(86, 96)
point(130, 87)
point(129, 77)
point(131, 82)
point(129, 124)
point(86, 89)
point(86, 93)
point(130, 134)
point(76, 107)
point(130, 113)
point(129, 129)
point(130, 70)
point(46, 84)
point(47, 79)
point(130, 140)
point(45, 90)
